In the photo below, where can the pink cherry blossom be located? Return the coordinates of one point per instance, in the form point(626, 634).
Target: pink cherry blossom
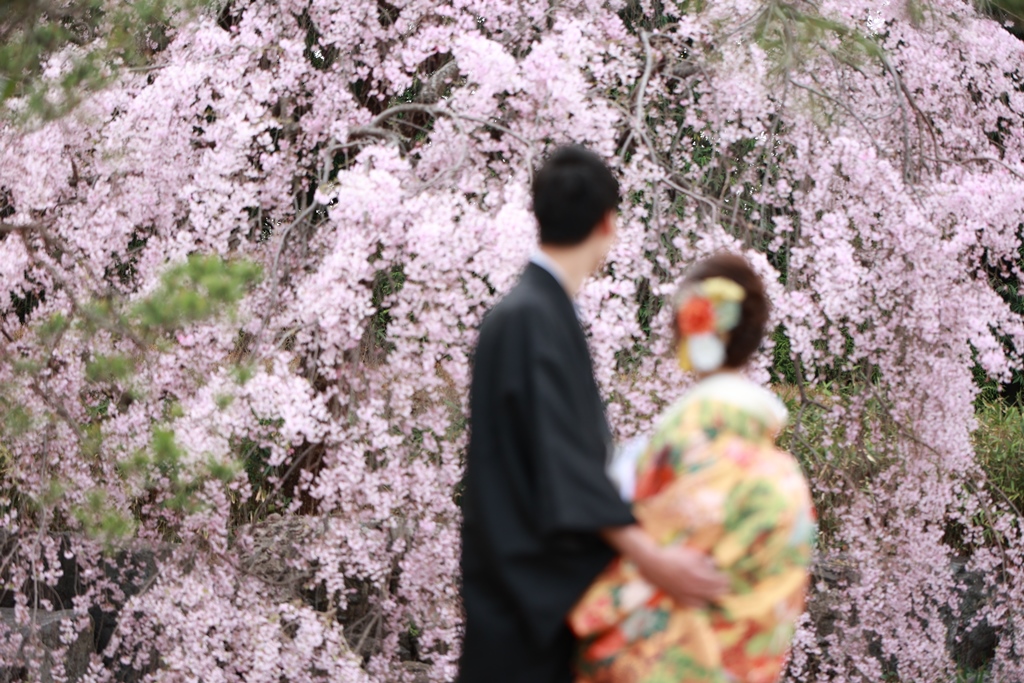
point(374, 159)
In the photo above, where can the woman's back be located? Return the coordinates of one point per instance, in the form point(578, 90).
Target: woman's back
point(711, 478)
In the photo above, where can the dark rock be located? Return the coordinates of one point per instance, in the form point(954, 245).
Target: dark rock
point(268, 550)
point(44, 632)
point(835, 571)
point(420, 672)
point(61, 594)
point(973, 642)
point(129, 571)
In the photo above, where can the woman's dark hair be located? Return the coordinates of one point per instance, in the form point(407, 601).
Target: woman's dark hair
point(572, 192)
point(746, 338)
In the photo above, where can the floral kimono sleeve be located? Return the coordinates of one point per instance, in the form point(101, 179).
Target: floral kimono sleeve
point(767, 536)
point(665, 473)
point(617, 591)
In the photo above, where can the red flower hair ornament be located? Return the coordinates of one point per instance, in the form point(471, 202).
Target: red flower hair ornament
point(706, 312)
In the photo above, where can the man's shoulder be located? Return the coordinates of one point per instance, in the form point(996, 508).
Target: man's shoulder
point(523, 303)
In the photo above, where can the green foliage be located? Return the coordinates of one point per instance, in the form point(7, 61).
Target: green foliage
point(782, 370)
point(108, 368)
point(196, 290)
point(262, 476)
point(386, 283)
point(24, 305)
point(96, 38)
point(6, 460)
point(165, 467)
point(103, 521)
point(982, 676)
point(850, 458)
point(202, 288)
point(17, 420)
point(1008, 12)
point(223, 471)
point(654, 15)
point(166, 455)
point(319, 56)
point(91, 440)
point(50, 331)
point(242, 373)
point(788, 33)
point(1009, 288)
point(998, 441)
point(999, 448)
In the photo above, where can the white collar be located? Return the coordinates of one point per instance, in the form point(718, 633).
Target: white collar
point(739, 391)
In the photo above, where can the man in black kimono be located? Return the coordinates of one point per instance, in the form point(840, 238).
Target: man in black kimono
point(541, 517)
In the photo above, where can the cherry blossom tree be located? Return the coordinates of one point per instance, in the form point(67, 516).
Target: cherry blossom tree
point(51, 54)
point(244, 283)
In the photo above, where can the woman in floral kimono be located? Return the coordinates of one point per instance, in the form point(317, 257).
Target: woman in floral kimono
point(712, 478)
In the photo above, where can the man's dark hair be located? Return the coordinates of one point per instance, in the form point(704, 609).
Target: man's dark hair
point(572, 192)
point(755, 309)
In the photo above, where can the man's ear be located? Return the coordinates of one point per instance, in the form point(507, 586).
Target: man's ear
point(607, 225)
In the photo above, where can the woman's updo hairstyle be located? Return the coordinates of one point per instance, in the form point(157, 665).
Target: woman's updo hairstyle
point(745, 339)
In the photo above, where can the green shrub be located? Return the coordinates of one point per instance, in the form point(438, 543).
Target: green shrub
point(999, 448)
